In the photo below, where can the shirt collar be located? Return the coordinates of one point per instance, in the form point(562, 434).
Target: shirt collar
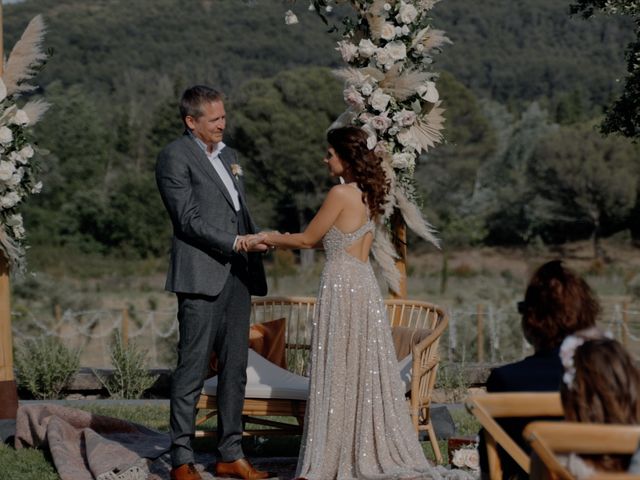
point(203, 146)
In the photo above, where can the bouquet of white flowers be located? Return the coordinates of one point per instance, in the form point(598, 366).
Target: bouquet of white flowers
point(391, 93)
point(18, 169)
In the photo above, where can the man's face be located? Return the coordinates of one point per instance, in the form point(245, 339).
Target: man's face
point(209, 126)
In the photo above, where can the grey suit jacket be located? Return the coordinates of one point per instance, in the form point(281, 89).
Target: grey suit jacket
point(205, 223)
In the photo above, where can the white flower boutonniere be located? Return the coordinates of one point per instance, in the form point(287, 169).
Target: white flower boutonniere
point(236, 170)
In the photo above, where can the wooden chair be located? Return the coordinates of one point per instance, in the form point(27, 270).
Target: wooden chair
point(548, 439)
point(298, 312)
point(491, 406)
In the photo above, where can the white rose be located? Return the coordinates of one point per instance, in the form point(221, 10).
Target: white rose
point(348, 50)
point(3, 90)
point(393, 131)
point(458, 458)
point(388, 31)
point(406, 30)
point(7, 169)
point(396, 50)
point(381, 122)
point(328, 9)
point(379, 100)
point(404, 118)
point(6, 135)
point(387, 7)
point(473, 459)
point(366, 48)
point(37, 188)
point(372, 138)
point(20, 118)
point(366, 89)
point(9, 199)
point(407, 13)
point(16, 178)
point(26, 151)
point(383, 58)
point(403, 160)
point(353, 98)
point(290, 18)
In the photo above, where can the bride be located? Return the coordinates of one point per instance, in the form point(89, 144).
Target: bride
point(357, 422)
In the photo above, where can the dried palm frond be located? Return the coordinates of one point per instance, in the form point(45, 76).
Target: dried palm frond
point(346, 118)
point(25, 56)
point(414, 219)
point(427, 128)
point(13, 252)
point(402, 85)
point(385, 254)
point(35, 110)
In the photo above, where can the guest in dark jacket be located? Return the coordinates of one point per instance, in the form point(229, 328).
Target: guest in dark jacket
point(557, 303)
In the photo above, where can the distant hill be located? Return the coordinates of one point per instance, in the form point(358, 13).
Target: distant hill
point(515, 50)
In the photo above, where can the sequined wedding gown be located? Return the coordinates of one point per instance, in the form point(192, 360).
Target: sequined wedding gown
point(357, 422)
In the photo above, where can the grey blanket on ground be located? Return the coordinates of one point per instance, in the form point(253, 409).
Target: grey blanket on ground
point(85, 446)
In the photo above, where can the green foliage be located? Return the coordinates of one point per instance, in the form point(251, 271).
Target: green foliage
point(26, 464)
point(279, 125)
point(44, 366)
point(130, 377)
point(584, 180)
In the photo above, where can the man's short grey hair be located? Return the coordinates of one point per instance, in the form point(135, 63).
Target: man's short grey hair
point(194, 98)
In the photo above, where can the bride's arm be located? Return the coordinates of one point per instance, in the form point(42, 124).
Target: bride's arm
point(321, 223)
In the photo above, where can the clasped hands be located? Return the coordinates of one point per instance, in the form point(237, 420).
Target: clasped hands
point(253, 243)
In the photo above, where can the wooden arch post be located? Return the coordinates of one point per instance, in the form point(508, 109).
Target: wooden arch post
point(399, 229)
point(8, 390)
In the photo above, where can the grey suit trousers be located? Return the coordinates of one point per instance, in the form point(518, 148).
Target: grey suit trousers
point(219, 323)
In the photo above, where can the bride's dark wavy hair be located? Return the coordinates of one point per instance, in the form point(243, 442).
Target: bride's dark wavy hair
point(350, 144)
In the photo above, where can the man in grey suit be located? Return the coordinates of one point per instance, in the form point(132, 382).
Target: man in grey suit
point(215, 268)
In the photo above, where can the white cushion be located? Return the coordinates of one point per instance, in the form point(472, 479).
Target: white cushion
point(267, 380)
point(405, 372)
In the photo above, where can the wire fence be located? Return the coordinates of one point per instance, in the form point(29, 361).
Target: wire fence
point(484, 332)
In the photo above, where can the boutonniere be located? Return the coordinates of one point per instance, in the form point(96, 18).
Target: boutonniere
point(236, 170)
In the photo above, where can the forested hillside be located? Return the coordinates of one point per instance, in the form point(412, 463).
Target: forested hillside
point(517, 72)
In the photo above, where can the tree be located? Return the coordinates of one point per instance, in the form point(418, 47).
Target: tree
point(278, 125)
point(624, 115)
point(586, 179)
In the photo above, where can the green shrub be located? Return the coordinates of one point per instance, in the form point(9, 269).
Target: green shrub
point(44, 366)
point(130, 377)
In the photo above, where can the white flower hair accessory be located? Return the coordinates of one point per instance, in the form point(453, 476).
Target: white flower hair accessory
point(568, 350)
point(236, 170)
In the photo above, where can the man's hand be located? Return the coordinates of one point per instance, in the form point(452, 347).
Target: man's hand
point(251, 243)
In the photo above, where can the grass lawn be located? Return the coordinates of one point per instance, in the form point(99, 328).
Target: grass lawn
point(29, 464)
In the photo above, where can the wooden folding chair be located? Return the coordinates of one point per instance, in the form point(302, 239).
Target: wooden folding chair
point(491, 406)
point(548, 439)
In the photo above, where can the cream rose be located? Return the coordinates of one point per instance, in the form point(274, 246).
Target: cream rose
point(26, 151)
point(388, 31)
point(406, 139)
point(397, 50)
point(366, 89)
point(379, 100)
point(9, 199)
point(472, 460)
point(16, 178)
point(37, 188)
point(383, 58)
point(407, 13)
point(381, 122)
point(6, 135)
point(404, 118)
point(7, 169)
point(366, 48)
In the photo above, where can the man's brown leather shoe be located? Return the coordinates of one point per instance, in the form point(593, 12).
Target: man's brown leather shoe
point(240, 469)
point(186, 471)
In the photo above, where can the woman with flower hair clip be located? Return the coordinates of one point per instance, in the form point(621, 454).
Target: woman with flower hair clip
point(601, 384)
point(557, 303)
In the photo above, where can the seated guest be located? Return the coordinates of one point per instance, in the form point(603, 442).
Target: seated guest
point(557, 303)
point(601, 384)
